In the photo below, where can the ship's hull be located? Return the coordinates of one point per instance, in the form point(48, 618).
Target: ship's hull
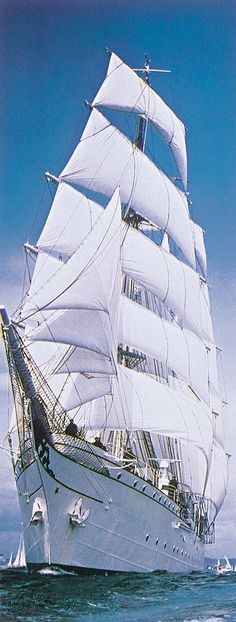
point(130, 526)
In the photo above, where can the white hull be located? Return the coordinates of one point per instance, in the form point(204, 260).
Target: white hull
point(127, 530)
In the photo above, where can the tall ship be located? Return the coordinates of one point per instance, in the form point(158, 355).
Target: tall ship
point(120, 463)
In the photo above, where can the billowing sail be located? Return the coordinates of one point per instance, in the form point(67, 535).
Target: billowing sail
point(76, 303)
point(122, 89)
point(105, 159)
point(218, 477)
point(140, 403)
point(115, 332)
point(71, 217)
point(179, 349)
point(172, 281)
point(88, 278)
point(73, 327)
point(194, 466)
point(75, 389)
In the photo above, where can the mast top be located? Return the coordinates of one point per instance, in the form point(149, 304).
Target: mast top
point(147, 70)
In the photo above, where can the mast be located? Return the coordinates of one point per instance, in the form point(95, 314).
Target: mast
point(143, 122)
point(157, 282)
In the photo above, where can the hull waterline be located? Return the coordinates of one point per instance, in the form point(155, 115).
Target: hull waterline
point(130, 526)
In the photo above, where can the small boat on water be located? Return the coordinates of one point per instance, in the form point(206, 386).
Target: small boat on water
point(219, 569)
point(19, 562)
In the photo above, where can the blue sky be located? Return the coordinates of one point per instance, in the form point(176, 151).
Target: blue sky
point(51, 59)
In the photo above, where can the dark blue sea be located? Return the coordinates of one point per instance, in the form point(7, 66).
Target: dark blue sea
point(128, 598)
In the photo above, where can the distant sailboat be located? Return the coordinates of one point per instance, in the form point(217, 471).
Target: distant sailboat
point(19, 562)
point(223, 569)
point(10, 563)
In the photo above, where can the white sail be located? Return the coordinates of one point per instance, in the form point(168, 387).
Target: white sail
point(115, 332)
point(87, 279)
point(228, 564)
point(213, 381)
point(141, 403)
point(218, 476)
point(75, 389)
point(19, 561)
point(122, 89)
point(73, 327)
point(165, 243)
point(47, 358)
point(219, 428)
point(172, 281)
point(205, 313)
point(10, 561)
point(199, 245)
point(105, 159)
point(194, 467)
point(71, 217)
point(179, 349)
point(84, 292)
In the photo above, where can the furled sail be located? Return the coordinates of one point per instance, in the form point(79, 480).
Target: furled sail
point(179, 349)
point(122, 89)
point(105, 159)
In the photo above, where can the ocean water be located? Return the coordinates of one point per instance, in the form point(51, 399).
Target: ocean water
point(57, 597)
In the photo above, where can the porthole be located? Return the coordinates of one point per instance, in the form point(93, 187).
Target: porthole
point(165, 545)
point(157, 540)
point(143, 488)
point(174, 548)
point(135, 483)
point(160, 498)
point(177, 550)
point(119, 475)
point(147, 537)
point(153, 496)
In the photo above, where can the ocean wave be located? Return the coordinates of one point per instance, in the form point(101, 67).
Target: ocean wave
point(54, 572)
